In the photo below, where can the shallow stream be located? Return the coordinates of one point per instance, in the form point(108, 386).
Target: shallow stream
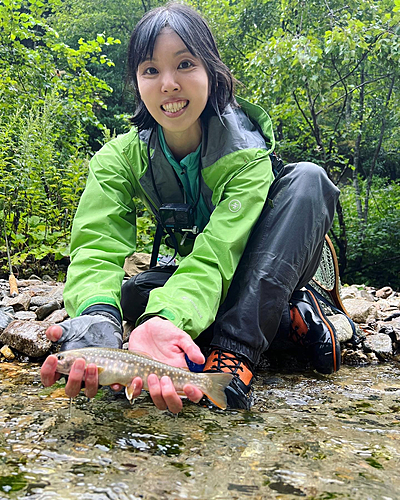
point(308, 436)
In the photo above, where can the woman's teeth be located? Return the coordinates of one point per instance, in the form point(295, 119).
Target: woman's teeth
point(174, 107)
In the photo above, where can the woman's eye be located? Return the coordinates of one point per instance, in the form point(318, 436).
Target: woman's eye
point(150, 71)
point(185, 65)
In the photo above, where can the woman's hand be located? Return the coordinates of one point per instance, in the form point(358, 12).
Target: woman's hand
point(162, 340)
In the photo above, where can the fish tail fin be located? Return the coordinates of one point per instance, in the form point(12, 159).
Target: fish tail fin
point(216, 393)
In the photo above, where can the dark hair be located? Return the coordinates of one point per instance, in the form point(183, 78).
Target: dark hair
point(197, 36)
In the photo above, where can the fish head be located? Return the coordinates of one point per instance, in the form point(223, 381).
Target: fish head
point(65, 360)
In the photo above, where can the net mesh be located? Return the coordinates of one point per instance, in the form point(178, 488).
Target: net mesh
point(325, 275)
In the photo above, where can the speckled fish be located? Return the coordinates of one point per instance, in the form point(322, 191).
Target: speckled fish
point(116, 366)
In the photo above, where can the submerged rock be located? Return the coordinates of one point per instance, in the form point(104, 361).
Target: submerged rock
point(27, 337)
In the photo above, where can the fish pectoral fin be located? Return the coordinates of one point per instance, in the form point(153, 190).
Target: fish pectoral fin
point(100, 369)
point(129, 391)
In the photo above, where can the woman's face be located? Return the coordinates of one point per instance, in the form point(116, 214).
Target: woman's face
point(174, 87)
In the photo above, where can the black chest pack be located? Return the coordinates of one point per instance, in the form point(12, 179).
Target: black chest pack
point(180, 217)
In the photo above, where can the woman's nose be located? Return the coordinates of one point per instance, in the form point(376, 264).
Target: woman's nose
point(169, 84)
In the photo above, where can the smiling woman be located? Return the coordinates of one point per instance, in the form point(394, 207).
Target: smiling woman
point(251, 234)
point(173, 85)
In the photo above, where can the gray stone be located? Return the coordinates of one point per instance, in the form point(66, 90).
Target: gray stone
point(25, 315)
point(20, 302)
point(380, 344)
point(43, 311)
point(342, 326)
point(363, 294)
point(384, 292)
point(57, 293)
point(57, 316)
point(39, 290)
point(348, 292)
point(137, 263)
point(39, 300)
point(29, 282)
point(391, 328)
point(27, 337)
point(359, 309)
point(6, 316)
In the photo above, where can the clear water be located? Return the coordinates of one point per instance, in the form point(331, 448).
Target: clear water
point(308, 436)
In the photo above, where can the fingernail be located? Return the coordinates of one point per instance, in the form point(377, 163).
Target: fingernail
point(190, 392)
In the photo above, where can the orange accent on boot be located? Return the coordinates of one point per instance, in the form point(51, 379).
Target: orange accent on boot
point(222, 361)
point(297, 324)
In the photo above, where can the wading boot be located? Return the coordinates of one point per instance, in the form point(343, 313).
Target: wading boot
point(239, 391)
point(310, 327)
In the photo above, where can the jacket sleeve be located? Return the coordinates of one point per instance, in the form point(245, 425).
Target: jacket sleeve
point(103, 233)
point(192, 296)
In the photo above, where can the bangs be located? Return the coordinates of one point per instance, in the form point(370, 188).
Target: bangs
point(147, 33)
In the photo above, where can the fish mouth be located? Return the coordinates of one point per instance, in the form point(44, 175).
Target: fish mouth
point(174, 107)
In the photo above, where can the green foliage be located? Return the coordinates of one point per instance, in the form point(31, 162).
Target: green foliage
point(48, 98)
point(374, 259)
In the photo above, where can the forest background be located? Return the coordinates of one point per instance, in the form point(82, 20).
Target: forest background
point(328, 73)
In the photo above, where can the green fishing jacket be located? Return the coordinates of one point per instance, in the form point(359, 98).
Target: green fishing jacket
point(236, 175)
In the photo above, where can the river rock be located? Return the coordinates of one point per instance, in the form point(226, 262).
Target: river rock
point(27, 337)
point(380, 344)
point(7, 352)
point(57, 316)
point(43, 311)
point(19, 303)
point(137, 263)
point(39, 300)
point(360, 310)
point(342, 326)
point(28, 283)
point(348, 292)
point(39, 290)
point(25, 315)
point(6, 316)
point(384, 292)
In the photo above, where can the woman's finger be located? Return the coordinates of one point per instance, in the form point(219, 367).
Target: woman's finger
point(155, 392)
point(48, 373)
point(76, 376)
point(192, 393)
point(91, 381)
point(170, 396)
point(191, 349)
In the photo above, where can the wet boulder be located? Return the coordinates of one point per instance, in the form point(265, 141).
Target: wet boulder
point(360, 310)
point(27, 337)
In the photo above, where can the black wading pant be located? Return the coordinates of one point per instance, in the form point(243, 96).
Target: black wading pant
point(282, 255)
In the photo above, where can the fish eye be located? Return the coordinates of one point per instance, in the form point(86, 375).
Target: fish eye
point(60, 357)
